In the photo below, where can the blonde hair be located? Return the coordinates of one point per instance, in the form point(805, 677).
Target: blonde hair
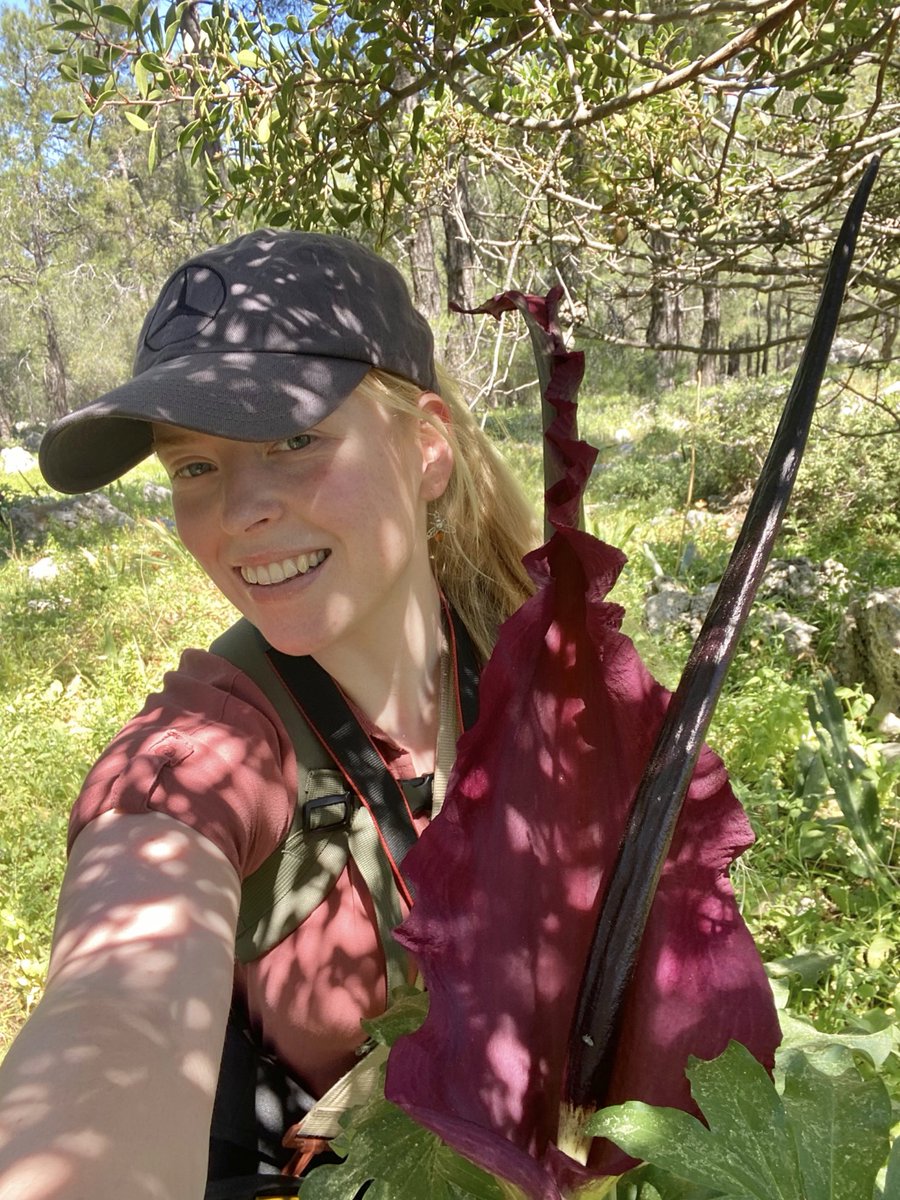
point(487, 523)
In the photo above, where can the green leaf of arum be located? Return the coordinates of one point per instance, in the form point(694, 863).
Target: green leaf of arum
point(824, 1138)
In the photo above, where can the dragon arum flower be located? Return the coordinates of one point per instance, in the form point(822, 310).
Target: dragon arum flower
point(511, 876)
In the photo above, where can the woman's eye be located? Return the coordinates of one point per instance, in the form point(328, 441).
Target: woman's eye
point(191, 470)
point(297, 441)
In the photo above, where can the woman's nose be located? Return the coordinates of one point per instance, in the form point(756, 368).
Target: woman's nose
point(248, 499)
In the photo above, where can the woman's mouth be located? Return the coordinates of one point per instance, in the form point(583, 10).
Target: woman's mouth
point(285, 568)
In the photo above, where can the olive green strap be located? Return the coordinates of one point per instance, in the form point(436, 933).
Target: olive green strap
point(243, 646)
point(375, 868)
point(297, 876)
point(448, 733)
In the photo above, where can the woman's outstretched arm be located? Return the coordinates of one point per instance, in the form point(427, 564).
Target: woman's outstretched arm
point(108, 1090)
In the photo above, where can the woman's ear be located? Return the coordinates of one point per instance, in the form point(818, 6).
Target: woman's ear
point(437, 453)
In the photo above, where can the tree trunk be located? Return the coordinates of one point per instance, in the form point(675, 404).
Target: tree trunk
point(419, 242)
point(708, 365)
point(458, 218)
point(662, 328)
point(769, 335)
point(423, 269)
point(888, 336)
point(56, 387)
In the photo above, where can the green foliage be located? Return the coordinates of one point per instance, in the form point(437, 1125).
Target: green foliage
point(838, 771)
point(648, 155)
point(823, 1136)
point(85, 227)
point(820, 886)
point(406, 1161)
point(269, 90)
point(28, 964)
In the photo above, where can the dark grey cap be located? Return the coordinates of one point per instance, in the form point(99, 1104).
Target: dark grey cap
point(255, 340)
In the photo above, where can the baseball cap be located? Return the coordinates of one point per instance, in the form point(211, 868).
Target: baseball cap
point(254, 340)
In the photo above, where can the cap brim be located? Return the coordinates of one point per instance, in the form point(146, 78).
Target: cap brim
point(248, 396)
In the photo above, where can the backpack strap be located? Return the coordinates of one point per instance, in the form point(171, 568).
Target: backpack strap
point(331, 820)
point(328, 826)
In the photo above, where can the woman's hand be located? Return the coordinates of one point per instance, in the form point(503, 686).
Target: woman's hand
point(108, 1090)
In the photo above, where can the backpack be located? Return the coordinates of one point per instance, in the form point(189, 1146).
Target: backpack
point(332, 819)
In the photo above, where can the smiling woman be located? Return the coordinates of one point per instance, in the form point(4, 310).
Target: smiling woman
point(337, 491)
point(346, 502)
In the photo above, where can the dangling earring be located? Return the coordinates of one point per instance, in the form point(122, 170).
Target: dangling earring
point(437, 526)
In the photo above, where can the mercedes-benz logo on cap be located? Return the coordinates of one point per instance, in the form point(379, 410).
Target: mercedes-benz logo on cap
point(190, 302)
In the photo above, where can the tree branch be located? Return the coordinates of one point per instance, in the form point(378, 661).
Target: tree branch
point(655, 87)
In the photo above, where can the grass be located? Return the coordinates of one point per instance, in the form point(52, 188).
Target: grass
point(81, 650)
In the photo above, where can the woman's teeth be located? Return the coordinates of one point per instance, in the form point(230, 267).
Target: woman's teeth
point(277, 572)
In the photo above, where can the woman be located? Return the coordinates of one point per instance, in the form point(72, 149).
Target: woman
point(337, 492)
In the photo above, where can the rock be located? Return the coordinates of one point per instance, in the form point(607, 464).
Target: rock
point(29, 434)
point(867, 650)
point(799, 636)
point(671, 604)
point(93, 507)
point(16, 458)
point(51, 604)
point(794, 581)
point(800, 579)
point(155, 493)
point(847, 350)
point(697, 516)
point(667, 605)
point(29, 518)
point(44, 568)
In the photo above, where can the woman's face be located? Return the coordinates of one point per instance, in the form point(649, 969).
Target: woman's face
point(318, 539)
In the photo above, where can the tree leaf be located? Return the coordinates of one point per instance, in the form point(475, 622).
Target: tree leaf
point(93, 66)
point(141, 77)
point(138, 122)
point(112, 12)
point(830, 96)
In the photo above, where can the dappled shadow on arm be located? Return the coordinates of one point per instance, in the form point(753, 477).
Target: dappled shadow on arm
point(110, 1084)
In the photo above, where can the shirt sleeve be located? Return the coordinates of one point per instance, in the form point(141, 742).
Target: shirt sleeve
point(208, 750)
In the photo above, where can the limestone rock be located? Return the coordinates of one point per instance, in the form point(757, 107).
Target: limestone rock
point(868, 649)
point(31, 517)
